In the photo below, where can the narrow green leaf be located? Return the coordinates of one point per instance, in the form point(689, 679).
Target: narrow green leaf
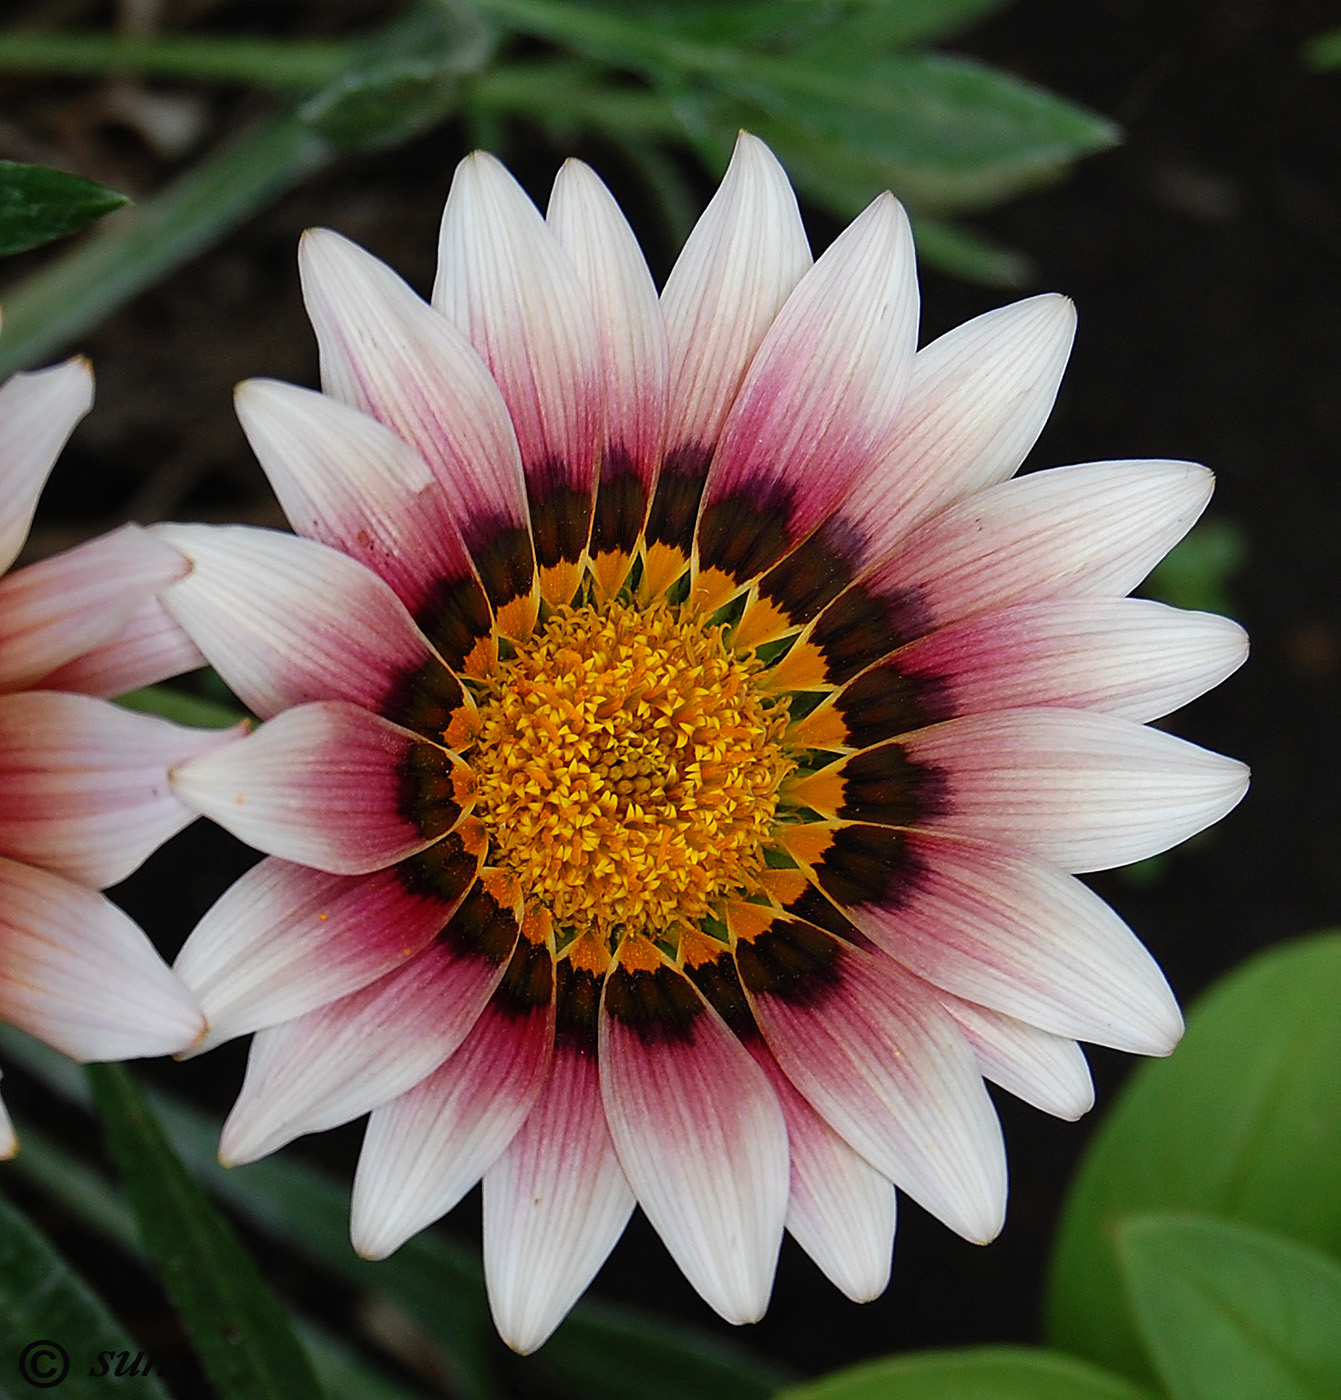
point(603, 1351)
point(1230, 1312)
point(439, 1285)
point(963, 253)
point(379, 100)
point(609, 1353)
point(278, 63)
point(971, 1373)
point(38, 204)
point(50, 1321)
point(1242, 1122)
point(1325, 50)
point(93, 1200)
point(51, 308)
point(182, 707)
point(240, 1332)
point(950, 131)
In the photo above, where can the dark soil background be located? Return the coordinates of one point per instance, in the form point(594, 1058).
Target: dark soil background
point(1205, 259)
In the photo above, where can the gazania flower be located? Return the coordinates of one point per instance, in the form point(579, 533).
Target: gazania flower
point(679, 734)
point(84, 793)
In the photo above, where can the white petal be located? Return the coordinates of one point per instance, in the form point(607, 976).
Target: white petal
point(1047, 1071)
point(62, 606)
point(1084, 791)
point(841, 1211)
point(737, 267)
point(286, 620)
point(285, 939)
point(978, 399)
point(325, 785)
point(81, 976)
point(38, 411)
point(85, 783)
point(424, 1150)
point(555, 1204)
point(703, 1143)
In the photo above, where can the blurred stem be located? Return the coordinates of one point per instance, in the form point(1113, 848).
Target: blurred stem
point(133, 250)
point(210, 58)
point(559, 92)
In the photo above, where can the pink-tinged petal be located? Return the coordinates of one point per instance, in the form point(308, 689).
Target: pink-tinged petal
point(78, 974)
point(505, 281)
point(978, 399)
point(881, 1061)
point(635, 362)
point(841, 1211)
point(739, 265)
point(60, 607)
point(285, 939)
point(698, 1131)
point(817, 404)
point(1125, 656)
point(9, 1141)
point(424, 1150)
point(1089, 531)
point(555, 1204)
point(332, 786)
point(355, 1054)
point(742, 260)
point(286, 620)
point(1004, 931)
point(1047, 1071)
point(148, 649)
point(1084, 791)
point(38, 411)
point(345, 480)
point(85, 783)
point(387, 353)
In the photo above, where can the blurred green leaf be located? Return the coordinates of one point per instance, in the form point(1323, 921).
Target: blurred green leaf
point(182, 707)
point(241, 1334)
point(971, 1373)
point(38, 204)
point(1324, 51)
point(605, 1351)
point(280, 63)
point(1196, 573)
point(945, 131)
point(42, 1301)
point(387, 96)
point(1242, 1122)
point(92, 1199)
point(1233, 1313)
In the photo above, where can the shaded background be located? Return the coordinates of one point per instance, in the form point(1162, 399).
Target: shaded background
point(1205, 258)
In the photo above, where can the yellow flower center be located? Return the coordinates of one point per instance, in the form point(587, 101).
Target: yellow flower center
point(627, 769)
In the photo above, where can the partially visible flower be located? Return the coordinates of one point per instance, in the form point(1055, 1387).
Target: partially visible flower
point(678, 731)
point(84, 792)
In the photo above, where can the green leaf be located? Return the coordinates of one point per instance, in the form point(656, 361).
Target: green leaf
point(1325, 50)
point(1196, 572)
point(181, 707)
point(281, 63)
point(1242, 1122)
point(948, 132)
point(245, 173)
point(240, 1332)
point(47, 1312)
point(1230, 1312)
point(38, 204)
point(91, 1198)
point(609, 1353)
point(971, 1373)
